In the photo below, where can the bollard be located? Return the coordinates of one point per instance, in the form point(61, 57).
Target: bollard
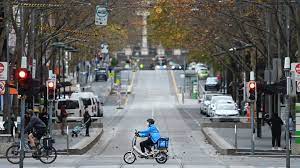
point(67, 139)
point(235, 137)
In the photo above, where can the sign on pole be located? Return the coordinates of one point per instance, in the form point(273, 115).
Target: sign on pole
point(2, 87)
point(33, 68)
point(101, 16)
point(3, 70)
point(295, 67)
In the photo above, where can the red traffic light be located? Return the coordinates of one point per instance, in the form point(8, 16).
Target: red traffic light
point(51, 84)
point(252, 86)
point(22, 74)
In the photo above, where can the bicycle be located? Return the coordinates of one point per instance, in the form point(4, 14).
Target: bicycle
point(45, 152)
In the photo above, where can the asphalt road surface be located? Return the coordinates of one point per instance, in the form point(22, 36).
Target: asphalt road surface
point(153, 97)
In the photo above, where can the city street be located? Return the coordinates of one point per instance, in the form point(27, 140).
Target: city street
point(153, 96)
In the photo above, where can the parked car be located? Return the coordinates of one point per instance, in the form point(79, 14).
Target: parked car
point(101, 74)
point(212, 84)
point(226, 111)
point(176, 67)
point(74, 107)
point(89, 100)
point(202, 72)
point(218, 100)
point(205, 102)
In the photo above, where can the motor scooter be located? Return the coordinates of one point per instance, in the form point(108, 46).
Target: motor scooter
point(160, 152)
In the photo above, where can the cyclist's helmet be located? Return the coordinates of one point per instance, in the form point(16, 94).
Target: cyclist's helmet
point(150, 121)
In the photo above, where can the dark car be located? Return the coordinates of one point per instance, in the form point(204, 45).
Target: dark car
point(212, 84)
point(101, 74)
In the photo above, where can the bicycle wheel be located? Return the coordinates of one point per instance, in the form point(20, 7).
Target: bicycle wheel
point(13, 154)
point(161, 158)
point(47, 156)
point(129, 157)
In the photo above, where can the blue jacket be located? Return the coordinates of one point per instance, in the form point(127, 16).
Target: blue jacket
point(151, 132)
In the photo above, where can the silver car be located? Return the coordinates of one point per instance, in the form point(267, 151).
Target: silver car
point(205, 102)
point(218, 99)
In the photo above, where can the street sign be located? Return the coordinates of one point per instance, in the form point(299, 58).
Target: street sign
point(104, 48)
point(295, 67)
point(298, 86)
point(3, 70)
point(101, 16)
point(24, 62)
point(2, 87)
point(33, 68)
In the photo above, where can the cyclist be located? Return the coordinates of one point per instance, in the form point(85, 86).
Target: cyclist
point(153, 135)
point(38, 128)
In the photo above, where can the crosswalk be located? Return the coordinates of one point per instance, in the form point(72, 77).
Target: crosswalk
point(147, 166)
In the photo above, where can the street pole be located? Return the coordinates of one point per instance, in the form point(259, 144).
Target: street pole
point(252, 127)
point(287, 67)
point(50, 116)
point(22, 154)
point(7, 89)
point(63, 74)
point(59, 67)
point(252, 102)
point(184, 69)
point(288, 91)
point(23, 98)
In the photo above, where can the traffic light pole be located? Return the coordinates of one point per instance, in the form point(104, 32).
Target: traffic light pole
point(252, 127)
point(50, 110)
point(22, 154)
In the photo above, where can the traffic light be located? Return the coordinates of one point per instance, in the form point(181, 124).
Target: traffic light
point(252, 90)
point(23, 76)
point(51, 86)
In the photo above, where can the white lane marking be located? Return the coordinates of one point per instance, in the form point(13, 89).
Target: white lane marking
point(196, 121)
point(152, 111)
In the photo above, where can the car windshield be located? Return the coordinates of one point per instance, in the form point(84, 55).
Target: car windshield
point(226, 107)
point(209, 97)
point(222, 98)
point(211, 80)
point(87, 102)
point(70, 104)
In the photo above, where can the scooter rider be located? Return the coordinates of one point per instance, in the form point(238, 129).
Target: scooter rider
point(153, 135)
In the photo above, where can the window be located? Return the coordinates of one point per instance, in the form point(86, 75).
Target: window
point(70, 104)
point(87, 102)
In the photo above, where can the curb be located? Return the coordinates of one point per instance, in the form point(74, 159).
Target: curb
point(224, 148)
point(218, 143)
point(178, 95)
point(129, 90)
point(81, 151)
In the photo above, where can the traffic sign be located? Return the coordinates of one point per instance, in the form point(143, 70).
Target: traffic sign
point(2, 87)
point(101, 16)
point(295, 67)
point(298, 86)
point(3, 71)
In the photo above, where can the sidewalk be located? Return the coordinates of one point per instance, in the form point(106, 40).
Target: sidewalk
point(77, 145)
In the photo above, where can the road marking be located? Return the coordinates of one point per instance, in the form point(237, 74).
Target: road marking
point(196, 121)
point(175, 86)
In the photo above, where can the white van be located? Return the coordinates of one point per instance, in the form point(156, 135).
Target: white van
point(74, 107)
point(88, 99)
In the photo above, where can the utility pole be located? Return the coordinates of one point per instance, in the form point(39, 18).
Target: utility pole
point(287, 68)
point(7, 104)
point(252, 100)
point(23, 98)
